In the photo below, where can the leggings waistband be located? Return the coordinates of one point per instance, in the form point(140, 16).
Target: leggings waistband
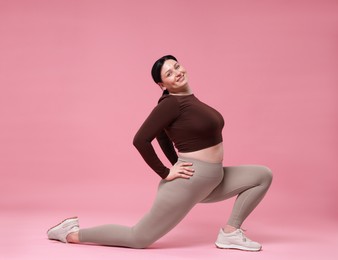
point(197, 161)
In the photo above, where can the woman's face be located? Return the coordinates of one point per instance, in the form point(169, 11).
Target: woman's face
point(174, 77)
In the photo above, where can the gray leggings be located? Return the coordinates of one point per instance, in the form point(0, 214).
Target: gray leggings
point(211, 182)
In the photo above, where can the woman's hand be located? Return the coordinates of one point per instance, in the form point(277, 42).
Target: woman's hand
point(180, 170)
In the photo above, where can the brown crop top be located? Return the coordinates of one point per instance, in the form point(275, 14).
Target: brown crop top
point(183, 120)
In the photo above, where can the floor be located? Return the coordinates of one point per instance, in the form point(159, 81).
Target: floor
point(24, 237)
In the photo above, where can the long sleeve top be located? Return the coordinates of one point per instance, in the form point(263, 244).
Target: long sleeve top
point(184, 121)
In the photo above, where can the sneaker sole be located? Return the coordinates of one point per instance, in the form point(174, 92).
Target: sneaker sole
point(231, 246)
point(63, 221)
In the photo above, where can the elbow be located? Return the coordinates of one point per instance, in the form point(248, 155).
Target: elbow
point(136, 141)
point(139, 142)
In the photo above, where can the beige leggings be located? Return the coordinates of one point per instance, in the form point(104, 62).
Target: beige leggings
point(211, 182)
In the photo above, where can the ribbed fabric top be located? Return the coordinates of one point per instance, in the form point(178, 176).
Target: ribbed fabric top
point(189, 123)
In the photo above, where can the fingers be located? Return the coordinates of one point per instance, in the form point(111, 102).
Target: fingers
point(181, 170)
point(182, 166)
point(186, 164)
point(187, 171)
point(184, 176)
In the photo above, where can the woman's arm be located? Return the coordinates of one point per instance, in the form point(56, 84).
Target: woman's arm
point(161, 116)
point(167, 147)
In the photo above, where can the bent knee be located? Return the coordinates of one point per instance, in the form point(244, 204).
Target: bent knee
point(266, 174)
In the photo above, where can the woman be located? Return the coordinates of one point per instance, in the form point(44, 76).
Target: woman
point(197, 174)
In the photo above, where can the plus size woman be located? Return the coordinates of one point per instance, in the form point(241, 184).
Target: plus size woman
point(180, 120)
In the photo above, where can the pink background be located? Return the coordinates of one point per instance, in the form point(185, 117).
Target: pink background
point(75, 87)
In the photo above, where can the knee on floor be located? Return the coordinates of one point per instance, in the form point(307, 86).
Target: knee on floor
point(141, 242)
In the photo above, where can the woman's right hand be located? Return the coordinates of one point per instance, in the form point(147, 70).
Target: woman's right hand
point(180, 170)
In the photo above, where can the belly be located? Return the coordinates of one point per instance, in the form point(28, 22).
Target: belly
point(213, 154)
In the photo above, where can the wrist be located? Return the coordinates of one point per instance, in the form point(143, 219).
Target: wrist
point(165, 173)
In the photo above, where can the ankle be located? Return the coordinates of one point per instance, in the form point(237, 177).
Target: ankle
point(73, 237)
point(229, 229)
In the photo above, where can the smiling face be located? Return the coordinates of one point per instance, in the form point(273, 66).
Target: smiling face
point(174, 78)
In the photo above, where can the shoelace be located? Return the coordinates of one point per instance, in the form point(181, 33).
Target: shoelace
point(244, 238)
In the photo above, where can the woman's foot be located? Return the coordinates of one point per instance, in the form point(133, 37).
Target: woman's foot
point(62, 230)
point(236, 240)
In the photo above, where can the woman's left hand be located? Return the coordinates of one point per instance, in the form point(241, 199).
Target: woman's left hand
point(180, 170)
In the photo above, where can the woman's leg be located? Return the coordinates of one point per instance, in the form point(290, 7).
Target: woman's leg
point(249, 182)
point(174, 200)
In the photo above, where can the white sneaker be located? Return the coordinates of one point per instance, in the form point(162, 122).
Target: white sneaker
point(61, 230)
point(236, 240)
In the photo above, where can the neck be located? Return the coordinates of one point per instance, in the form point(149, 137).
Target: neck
point(185, 92)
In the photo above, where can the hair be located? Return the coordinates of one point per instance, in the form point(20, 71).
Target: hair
point(157, 67)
